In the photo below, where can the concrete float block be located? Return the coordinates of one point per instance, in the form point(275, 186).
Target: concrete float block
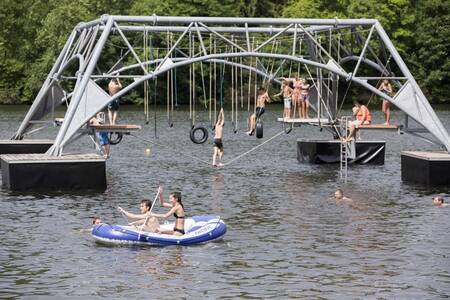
point(329, 152)
point(431, 168)
point(44, 172)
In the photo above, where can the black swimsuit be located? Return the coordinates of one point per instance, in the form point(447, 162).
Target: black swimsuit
point(177, 229)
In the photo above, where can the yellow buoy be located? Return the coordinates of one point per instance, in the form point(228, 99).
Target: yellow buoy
point(147, 152)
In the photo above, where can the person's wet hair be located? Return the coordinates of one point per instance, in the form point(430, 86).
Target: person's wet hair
point(94, 220)
point(147, 202)
point(177, 195)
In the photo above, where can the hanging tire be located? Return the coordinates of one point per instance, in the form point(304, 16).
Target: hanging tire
point(259, 129)
point(199, 139)
point(115, 137)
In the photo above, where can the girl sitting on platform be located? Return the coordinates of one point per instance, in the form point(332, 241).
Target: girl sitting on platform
point(363, 117)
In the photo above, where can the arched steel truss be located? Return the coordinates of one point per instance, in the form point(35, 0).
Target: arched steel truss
point(87, 40)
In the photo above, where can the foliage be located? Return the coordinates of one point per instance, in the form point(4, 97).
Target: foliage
point(33, 32)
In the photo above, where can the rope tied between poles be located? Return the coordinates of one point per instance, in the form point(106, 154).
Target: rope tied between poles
point(207, 162)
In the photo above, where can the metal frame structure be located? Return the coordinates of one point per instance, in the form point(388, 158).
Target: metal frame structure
point(330, 46)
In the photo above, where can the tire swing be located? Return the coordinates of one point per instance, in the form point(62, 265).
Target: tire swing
point(199, 139)
point(259, 129)
point(115, 137)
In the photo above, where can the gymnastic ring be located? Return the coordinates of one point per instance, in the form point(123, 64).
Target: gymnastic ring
point(115, 140)
point(203, 138)
point(259, 129)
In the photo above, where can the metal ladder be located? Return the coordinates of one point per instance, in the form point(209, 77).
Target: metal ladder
point(347, 148)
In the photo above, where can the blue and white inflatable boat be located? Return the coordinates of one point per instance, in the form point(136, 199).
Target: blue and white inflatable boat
point(199, 229)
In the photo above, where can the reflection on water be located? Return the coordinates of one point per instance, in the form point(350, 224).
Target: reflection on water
point(287, 237)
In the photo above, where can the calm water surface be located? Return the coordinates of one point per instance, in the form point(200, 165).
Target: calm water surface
point(286, 238)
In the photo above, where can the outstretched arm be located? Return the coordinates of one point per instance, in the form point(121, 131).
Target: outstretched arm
point(161, 200)
point(131, 215)
point(221, 118)
point(166, 215)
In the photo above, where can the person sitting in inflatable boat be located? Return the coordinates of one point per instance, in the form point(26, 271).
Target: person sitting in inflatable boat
point(176, 208)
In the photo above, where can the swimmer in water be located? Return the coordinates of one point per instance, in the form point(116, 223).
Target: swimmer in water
point(96, 221)
point(439, 201)
point(339, 196)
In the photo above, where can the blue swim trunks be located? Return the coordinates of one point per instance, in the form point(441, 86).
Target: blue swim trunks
point(103, 138)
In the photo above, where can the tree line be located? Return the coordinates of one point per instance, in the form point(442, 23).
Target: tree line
point(33, 32)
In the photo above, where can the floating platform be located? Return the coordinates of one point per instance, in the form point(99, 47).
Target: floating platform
point(428, 168)
point(122, 128)
point(329, 152)
point(381, 127)
point(24, 146)
point(311, 121)
point(44, 172)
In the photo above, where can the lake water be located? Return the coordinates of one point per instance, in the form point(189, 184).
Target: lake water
point(286, 237)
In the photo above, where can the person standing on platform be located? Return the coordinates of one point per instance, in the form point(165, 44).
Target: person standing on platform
point(386, 88)
point(102, 136)
point(218, 145)
point(304, 98)
point(286, 91)
point(114, 87)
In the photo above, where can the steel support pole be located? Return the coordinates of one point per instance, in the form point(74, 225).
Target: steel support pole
point(56, 149)
point(43, 91)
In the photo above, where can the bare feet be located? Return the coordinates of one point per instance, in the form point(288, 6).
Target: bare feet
point(220, 164)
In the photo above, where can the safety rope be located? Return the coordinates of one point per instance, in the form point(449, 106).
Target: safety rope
point(171, 149)
point(253, 149)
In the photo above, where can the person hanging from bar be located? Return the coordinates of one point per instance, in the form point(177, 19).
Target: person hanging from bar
point(286, 91)
point(114, 87)
point(363, 117)
point(262, 98)
point(386, 88)
point(304, 98)
point(218, 145)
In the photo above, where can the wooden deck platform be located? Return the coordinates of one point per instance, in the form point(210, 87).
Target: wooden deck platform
point(27, 142)
point(304, 121)
point(381, 127)
point(428, 155)
point(116, 127)
point(44, 158)
point(25, 146)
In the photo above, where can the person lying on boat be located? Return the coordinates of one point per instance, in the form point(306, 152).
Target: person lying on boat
point(176, 208)
point(144, 221)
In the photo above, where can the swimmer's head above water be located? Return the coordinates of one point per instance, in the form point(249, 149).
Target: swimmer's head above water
point(339, 194)
point(438, 200)
point(96, 221)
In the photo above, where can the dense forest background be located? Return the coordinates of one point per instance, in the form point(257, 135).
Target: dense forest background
point(32, 32)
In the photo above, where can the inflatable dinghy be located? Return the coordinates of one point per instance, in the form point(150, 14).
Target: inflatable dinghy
point(199, 229)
